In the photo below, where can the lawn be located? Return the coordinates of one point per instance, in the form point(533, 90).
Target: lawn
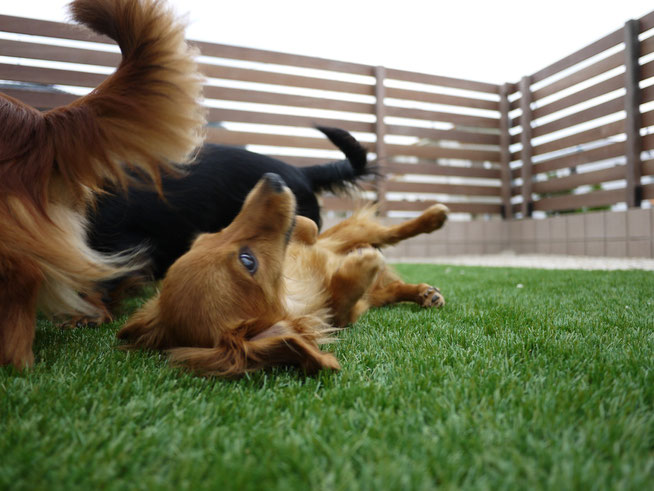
point(526, 379)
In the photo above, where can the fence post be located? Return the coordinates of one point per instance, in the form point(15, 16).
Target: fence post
point(633, 121)
point(380, 131)
point(527, 150)
point(505, 153)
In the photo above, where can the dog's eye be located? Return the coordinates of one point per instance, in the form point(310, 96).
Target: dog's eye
point(248, 260)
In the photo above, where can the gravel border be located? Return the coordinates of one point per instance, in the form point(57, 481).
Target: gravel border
point(536, 261)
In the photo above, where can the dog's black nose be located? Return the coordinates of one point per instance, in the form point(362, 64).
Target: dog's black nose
point(274, 181)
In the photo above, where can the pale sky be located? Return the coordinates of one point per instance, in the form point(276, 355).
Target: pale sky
point(490, 41)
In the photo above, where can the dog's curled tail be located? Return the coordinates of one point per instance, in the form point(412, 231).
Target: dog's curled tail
point(339, 176)
point(147, 114)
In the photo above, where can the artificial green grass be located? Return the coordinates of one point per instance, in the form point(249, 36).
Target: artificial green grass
point(545, 386)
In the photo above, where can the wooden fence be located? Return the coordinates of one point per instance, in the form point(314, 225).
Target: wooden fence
point(578, 132)
point(434, 138)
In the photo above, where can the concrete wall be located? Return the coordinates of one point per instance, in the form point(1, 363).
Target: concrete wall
point(613, 234)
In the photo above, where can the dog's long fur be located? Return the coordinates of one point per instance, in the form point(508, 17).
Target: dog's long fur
point(245, 298)
point(207, 198)
point(147, 114)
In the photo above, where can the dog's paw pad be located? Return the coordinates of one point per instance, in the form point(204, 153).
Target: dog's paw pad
point(431, 297)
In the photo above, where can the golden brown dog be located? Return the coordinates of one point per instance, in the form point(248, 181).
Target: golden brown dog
point(146, 114)
point(267, 290)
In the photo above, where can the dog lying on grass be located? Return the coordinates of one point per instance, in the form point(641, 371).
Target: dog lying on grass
point(146, 113)
point(268, 290)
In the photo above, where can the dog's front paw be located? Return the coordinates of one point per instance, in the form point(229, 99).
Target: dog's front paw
point(434, 217)
point(84, 321)
point(430, 296)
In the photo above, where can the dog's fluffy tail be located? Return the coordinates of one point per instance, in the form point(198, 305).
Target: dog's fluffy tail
point(338, 176)
point(147, 114)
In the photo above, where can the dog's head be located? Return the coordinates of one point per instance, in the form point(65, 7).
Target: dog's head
point(223, 301)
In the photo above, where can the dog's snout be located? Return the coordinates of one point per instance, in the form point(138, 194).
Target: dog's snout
point(274, 181)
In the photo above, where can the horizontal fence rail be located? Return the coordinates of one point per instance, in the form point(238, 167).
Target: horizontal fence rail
point(574, 135)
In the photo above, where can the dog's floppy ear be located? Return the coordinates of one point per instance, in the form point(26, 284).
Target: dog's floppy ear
point(280, 344)
point(142, 329)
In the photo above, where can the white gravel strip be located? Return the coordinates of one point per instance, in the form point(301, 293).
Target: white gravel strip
point(536, 261)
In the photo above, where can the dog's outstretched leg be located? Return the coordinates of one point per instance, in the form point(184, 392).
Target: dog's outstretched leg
point(362, 229)
point(397, 291)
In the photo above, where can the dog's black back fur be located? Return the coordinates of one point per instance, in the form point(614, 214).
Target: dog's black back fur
point(209, 196)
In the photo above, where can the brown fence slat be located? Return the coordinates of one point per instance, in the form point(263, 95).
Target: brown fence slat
point(433, 153)
point(218, 115)
point(583, 137)
point(589, 51)
point(442, 170)
point(597, 134)
point(648, 118)
point(647, 22)
point(284, 79)
point(46, 28)
point(583, 95)
point(456, 83)
point(647, 94)
point(340, 203)
point(300, 161)
point(599, 154)
point(444, 135)
point(595, 112)
point(647, 46)
point(448, 100)
point(276, 58)
point(602, 66)
point(647, 70)
point(457, 119)
point(605, 109)
point(606, 152)
point(648, 141)
point(50, 76)
point(648, 191)
point(241, 138)
point(40, 99)
point(574, 201)
point(51, 52)
point(429, 187)
point(581, 179)
point(271, 98)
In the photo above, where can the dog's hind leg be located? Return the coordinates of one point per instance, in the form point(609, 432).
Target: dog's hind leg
point(423, 294)
point(389, 288)
point(18, 297)
point(350, 282)
point(362, 230)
